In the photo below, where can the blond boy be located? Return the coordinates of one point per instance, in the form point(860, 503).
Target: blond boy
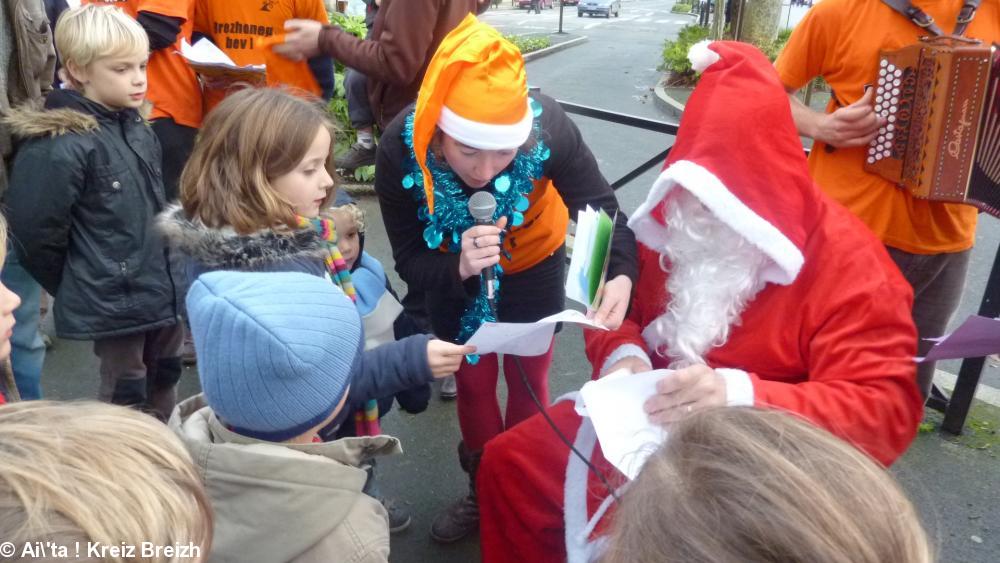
point(85, 188)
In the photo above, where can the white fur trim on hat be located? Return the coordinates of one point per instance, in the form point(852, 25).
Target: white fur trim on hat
point(701, 56)
point(486, 136)
point(714, 195)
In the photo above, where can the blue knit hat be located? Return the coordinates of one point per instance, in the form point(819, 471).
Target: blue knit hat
point(276, 351)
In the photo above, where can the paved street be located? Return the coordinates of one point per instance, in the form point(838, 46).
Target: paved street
point(615, 69)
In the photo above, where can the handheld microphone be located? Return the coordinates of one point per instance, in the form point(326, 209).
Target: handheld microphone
point(482, 204)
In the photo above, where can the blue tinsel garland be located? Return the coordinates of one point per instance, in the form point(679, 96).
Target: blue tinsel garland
point(451, 215)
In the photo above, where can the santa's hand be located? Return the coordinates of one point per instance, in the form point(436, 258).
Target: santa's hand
point(480, 248)
point(685, 391)
point(632, 363)
point(615, 296)
point(851, 126)
point(301, 40)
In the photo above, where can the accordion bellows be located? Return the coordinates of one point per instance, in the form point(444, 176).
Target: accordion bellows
point(941, 140)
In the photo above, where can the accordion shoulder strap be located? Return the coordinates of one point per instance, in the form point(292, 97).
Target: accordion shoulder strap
point(921, 19)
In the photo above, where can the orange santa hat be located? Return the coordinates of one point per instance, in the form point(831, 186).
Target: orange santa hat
point(476, 91)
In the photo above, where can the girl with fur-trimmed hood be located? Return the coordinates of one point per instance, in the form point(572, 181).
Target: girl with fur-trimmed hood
point(252, 194)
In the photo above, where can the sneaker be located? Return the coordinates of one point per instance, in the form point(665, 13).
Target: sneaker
point(449, 389)
point(399, 518)
point(356, 157)
point(458, 521)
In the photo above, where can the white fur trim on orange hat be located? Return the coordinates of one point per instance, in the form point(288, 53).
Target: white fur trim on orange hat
point(486, 136)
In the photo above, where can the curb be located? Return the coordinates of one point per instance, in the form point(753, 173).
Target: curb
point(554, 49)
point(666, 102)
point(354, 188)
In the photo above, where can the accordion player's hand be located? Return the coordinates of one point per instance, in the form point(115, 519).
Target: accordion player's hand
point(850, 126)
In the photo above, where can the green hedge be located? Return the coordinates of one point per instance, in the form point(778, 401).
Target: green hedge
point(681, 9)
point(527, 44)
point(675, 52)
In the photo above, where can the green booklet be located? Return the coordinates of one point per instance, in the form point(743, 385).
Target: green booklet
point(588, 266)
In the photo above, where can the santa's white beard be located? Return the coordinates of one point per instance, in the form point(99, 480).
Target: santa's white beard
point(713, 274)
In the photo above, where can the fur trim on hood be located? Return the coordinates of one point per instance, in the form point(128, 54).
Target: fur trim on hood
point(224, 249)
point(33, 121)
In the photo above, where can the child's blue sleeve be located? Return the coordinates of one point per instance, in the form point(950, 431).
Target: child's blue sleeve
point(391, 368)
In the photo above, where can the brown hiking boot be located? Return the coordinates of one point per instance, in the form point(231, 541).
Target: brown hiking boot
point(462, 517)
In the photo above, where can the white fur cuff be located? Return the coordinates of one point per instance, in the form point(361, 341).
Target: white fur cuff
point(739, 387)
point(622, 352)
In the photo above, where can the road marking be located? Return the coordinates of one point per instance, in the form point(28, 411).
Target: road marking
point(643, 20)
point(592, 25)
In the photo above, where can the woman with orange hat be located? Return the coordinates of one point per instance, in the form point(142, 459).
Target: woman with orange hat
point(475, 128)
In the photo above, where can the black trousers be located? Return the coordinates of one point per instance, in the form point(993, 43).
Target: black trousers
point(176, 142)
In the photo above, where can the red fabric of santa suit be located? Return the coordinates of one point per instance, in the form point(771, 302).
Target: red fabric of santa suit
point(828, 337)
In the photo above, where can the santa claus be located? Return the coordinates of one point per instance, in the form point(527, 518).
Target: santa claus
point(754, 286)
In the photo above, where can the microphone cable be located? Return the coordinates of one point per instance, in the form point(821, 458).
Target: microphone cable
point(593, 469)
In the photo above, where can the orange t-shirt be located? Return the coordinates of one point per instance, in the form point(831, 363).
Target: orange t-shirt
point(543, 230)
point(840, 40)
point(173, 86)
point(244, 29)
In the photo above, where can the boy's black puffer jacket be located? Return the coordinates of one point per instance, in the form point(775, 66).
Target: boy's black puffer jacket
point(84, 193)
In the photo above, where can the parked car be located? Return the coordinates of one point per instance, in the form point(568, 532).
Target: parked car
point(526, 4)
point(599, 7)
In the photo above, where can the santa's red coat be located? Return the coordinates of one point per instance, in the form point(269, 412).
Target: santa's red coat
point(835, 346)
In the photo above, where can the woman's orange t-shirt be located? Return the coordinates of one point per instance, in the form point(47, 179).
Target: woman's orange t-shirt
point(246, 29)
point(173, 87)
point(840, 41)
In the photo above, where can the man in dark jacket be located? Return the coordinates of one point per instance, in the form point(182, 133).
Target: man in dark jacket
point(27, 65)
point(84, 191)
point(394, 57)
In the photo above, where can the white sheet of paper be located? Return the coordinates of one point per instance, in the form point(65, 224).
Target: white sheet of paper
point(524, 339)
point(205, 52)
point(614, 405)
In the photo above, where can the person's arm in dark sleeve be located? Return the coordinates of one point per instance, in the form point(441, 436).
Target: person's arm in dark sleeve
point(40, 207)
point(391, 368)
point(401, 50)
point(162, 30)
point(575, 174)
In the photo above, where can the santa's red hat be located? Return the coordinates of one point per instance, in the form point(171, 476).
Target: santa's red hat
point(739, 153)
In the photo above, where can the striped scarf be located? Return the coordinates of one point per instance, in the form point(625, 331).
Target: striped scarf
point(366, 418)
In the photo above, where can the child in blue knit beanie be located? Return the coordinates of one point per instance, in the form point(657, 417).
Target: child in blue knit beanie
point(277, 354)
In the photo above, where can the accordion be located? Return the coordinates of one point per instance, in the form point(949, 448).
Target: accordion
point(941, 104)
